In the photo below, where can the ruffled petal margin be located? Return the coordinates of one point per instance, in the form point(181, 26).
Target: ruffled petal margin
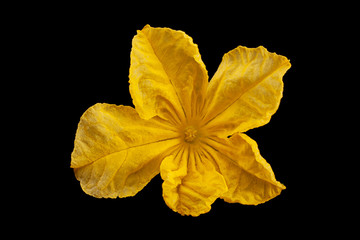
point(191, 182)
point(167, 75)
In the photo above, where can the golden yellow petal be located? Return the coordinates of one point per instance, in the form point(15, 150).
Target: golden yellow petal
point(245, 90)
point(167, 75)
point(116, 153)
point(249, 178)
point(191, 181)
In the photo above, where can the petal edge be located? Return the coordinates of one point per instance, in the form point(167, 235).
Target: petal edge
point(166, 63)
point(191, 183)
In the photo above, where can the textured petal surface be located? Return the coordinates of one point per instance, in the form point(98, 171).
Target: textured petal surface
point(167, 75)
point(248, 176)
point(245, 90)
point(116, 153)
point(191, 182)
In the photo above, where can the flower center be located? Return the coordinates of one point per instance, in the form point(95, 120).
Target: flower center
point(190, 134)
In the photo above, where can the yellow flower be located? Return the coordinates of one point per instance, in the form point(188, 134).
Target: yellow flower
point(184, 127)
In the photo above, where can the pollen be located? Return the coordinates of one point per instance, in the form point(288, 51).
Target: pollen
point(190, 134)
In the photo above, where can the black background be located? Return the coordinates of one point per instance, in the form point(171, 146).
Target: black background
point(98, 64)
point(83, 57)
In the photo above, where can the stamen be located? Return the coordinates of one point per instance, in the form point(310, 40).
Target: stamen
point(190, 134)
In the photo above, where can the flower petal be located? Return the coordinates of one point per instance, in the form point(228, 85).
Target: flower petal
point(248, 176)
point(191, 182)
point(116, 153)
point(167, 75)
point(245, 90)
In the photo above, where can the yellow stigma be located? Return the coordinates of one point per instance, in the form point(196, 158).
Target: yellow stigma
point(190, 134)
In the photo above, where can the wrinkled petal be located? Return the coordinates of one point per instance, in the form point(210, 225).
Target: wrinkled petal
point(249, 178)
point(245, 90)
point(191, 182)
point(167, 75)
point(116, 153)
